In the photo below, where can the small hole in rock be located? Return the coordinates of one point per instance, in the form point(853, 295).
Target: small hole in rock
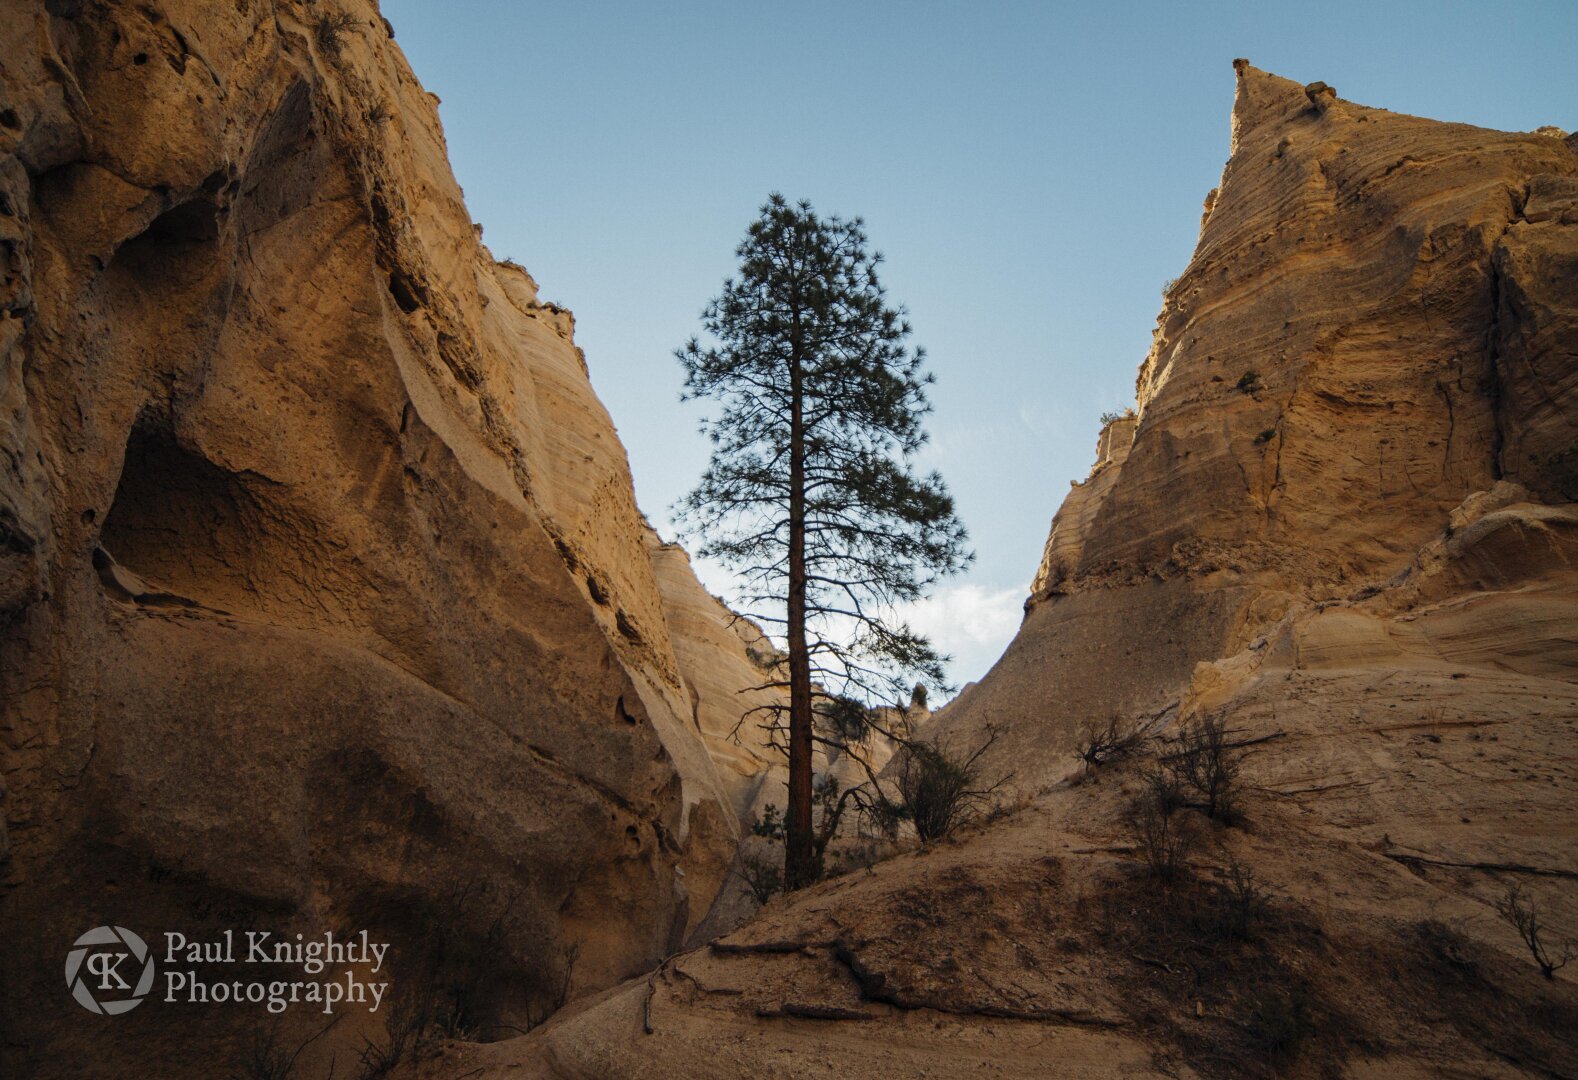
point(140, 59)
point(403, 295)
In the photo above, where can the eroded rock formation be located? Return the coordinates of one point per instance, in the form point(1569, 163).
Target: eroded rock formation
point(1342, 522)
point(324, 598)
point(1377, 323)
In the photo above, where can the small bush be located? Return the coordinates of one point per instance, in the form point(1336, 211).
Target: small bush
point(762, 875)
point(331, 30)
point(1243, 900)
point(265, 1057)
point(1202, 760)
point(1249, 382)
point(1265, 436)
point(1163, 840)
point(1518, 910)
point(1161, 785)
point(939, 790)
point(448, 974)
point(1112, 417)
point(828, 805)
point(1103, 742)
point(403, 1033)
point(770, 825)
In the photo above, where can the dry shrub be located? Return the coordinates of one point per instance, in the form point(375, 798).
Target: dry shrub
point(451, 976)
point(1100, 743)
point(762, 875)
point(1519, 911)
point(1164, 840)
point(941, 790)
point(267, 1057)
point(1203, 761)
point(331, 29)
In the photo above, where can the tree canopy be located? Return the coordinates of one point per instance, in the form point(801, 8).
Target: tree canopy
point(810, 494)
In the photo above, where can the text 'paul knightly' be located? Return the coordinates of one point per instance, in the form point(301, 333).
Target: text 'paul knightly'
point(358, 955)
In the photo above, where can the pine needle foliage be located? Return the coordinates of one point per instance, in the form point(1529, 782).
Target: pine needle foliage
point(810, 494)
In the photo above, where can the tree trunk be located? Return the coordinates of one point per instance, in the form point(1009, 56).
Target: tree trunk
point(799, 859)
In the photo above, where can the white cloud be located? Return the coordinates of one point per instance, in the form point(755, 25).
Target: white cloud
point(971, 622)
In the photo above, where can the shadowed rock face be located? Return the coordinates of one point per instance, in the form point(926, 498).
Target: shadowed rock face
point(324, 598)
point(1342, 522)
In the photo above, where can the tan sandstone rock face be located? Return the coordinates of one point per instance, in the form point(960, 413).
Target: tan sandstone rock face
point(1342, 522)
point(324, 598)
point(1376, 324)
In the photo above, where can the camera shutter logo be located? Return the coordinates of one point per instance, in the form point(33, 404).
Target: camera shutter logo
point(102, 967)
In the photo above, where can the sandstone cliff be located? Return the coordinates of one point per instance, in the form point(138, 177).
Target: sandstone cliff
point(1377, 323)
point(324, 598)
point(1343, 522)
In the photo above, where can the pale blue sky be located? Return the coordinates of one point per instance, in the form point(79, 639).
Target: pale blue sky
point(1033, 172)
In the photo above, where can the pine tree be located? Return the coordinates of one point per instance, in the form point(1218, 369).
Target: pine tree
point(809, 493)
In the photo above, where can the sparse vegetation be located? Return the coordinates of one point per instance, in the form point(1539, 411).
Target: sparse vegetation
point(403, 1032)
point(1518, 909)
point(451, 971)
point(1103, 742)
point(829, 804)
point(1265, 436)
point(1249, 382)
point(1112, 416)
point(1230, 985)
point(1163, 840)
point(1244, 901)
point(940, 790)
point(1161, 785)
point(764, 877)
point(331, 30)
point(1204, 762)
point(936, 790)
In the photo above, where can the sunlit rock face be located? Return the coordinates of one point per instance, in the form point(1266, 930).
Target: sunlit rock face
point(324, 596)
point(1378, 322)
